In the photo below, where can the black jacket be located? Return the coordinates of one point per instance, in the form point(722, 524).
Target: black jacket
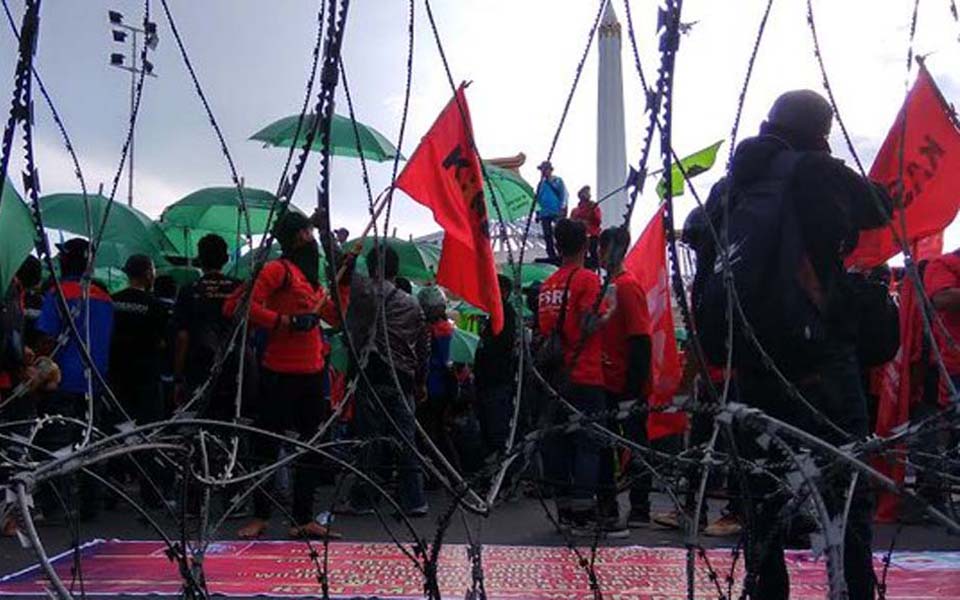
point(832, 204)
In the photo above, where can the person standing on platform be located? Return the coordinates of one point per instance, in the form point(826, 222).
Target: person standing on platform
point(588, 212)
point(551, 205)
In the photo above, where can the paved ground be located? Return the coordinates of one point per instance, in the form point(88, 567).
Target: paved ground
point(520, 522)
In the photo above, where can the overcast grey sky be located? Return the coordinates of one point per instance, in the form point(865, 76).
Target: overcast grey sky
point(252, 57)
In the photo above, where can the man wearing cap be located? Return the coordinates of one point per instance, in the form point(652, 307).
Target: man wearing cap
point(551, 204)
point(69, 400)
point(288, 301)
point(140, 324)
point(588, 212)
point(790, 162)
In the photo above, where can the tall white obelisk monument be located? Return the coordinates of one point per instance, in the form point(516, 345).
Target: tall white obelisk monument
point(611, 136)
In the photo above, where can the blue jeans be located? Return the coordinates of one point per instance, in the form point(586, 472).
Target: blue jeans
point(383, 446)
point(572, 460)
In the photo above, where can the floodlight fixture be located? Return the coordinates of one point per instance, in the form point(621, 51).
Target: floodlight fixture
point(115, 17)
point(116, 59)
point(119, 36)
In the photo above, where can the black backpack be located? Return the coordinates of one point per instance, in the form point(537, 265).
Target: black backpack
point(878, 325)
point(549, 357)
point(774, 280)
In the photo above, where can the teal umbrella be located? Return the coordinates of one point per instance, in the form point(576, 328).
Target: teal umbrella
point(339, 358)
point(242, 268)
point(112, 278)
point(343, 139)
point(530, 273)
point(184, 239)
point(510, 191)
point(463, 346)
point(181, 275)
point(127, 230)
point(16, 234)
point(418, 260)
point(218, 210)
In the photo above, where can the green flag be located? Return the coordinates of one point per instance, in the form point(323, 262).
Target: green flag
point(693, 165)
point(16, 234)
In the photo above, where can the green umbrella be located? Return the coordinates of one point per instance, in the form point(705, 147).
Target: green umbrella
point(463, 346)
point(343, 139)
point(112, 278)
point(184, 239)
point(127, 231)
point(243, 266)
point(181, 275)
point(418, 260)
point(530, 273)
point(218, 210)
point(339, 358)
point(513, 194)
point(16, 234)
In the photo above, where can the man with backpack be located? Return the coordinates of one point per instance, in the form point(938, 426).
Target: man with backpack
point(568, 324)
point(288, 301)
point(786, 215)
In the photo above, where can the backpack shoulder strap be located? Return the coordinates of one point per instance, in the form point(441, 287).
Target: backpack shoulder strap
point(558, 328)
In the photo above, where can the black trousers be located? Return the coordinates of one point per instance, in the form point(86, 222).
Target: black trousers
point(292, 405)
point(835, 390)
point(142, 398)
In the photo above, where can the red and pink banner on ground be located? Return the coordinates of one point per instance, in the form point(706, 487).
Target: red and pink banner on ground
point(285, 569)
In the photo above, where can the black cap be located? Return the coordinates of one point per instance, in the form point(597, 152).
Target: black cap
point(545, 165)
point(137, 266)
point(75, 248)
point(804, 112)
point(288, 226)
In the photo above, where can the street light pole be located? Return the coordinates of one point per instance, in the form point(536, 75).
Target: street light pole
point(150, 39)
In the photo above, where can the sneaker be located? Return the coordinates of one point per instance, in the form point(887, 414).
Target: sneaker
point(252, 530)
point(613, 530)
point(669, 519)
point(313, 531)
point(725, 526)
point(354, 511)
point(417, 513)
point(638, 518)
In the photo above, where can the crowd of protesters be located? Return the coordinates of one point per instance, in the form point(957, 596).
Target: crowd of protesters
point(419, 417)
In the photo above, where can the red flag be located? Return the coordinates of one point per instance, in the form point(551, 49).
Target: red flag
point(928, 247)
point(647, 260)
point(444, 175)
point(895, 390)
point(931, 172)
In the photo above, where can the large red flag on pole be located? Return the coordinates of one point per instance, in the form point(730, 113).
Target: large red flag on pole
point(647, 260)
point(930, 167)
point(444, 175)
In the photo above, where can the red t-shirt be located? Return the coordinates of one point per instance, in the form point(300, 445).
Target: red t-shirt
point(589, 214)
point(281, 289)
point(584, 290)
point(630, 318)
point(944, 273)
